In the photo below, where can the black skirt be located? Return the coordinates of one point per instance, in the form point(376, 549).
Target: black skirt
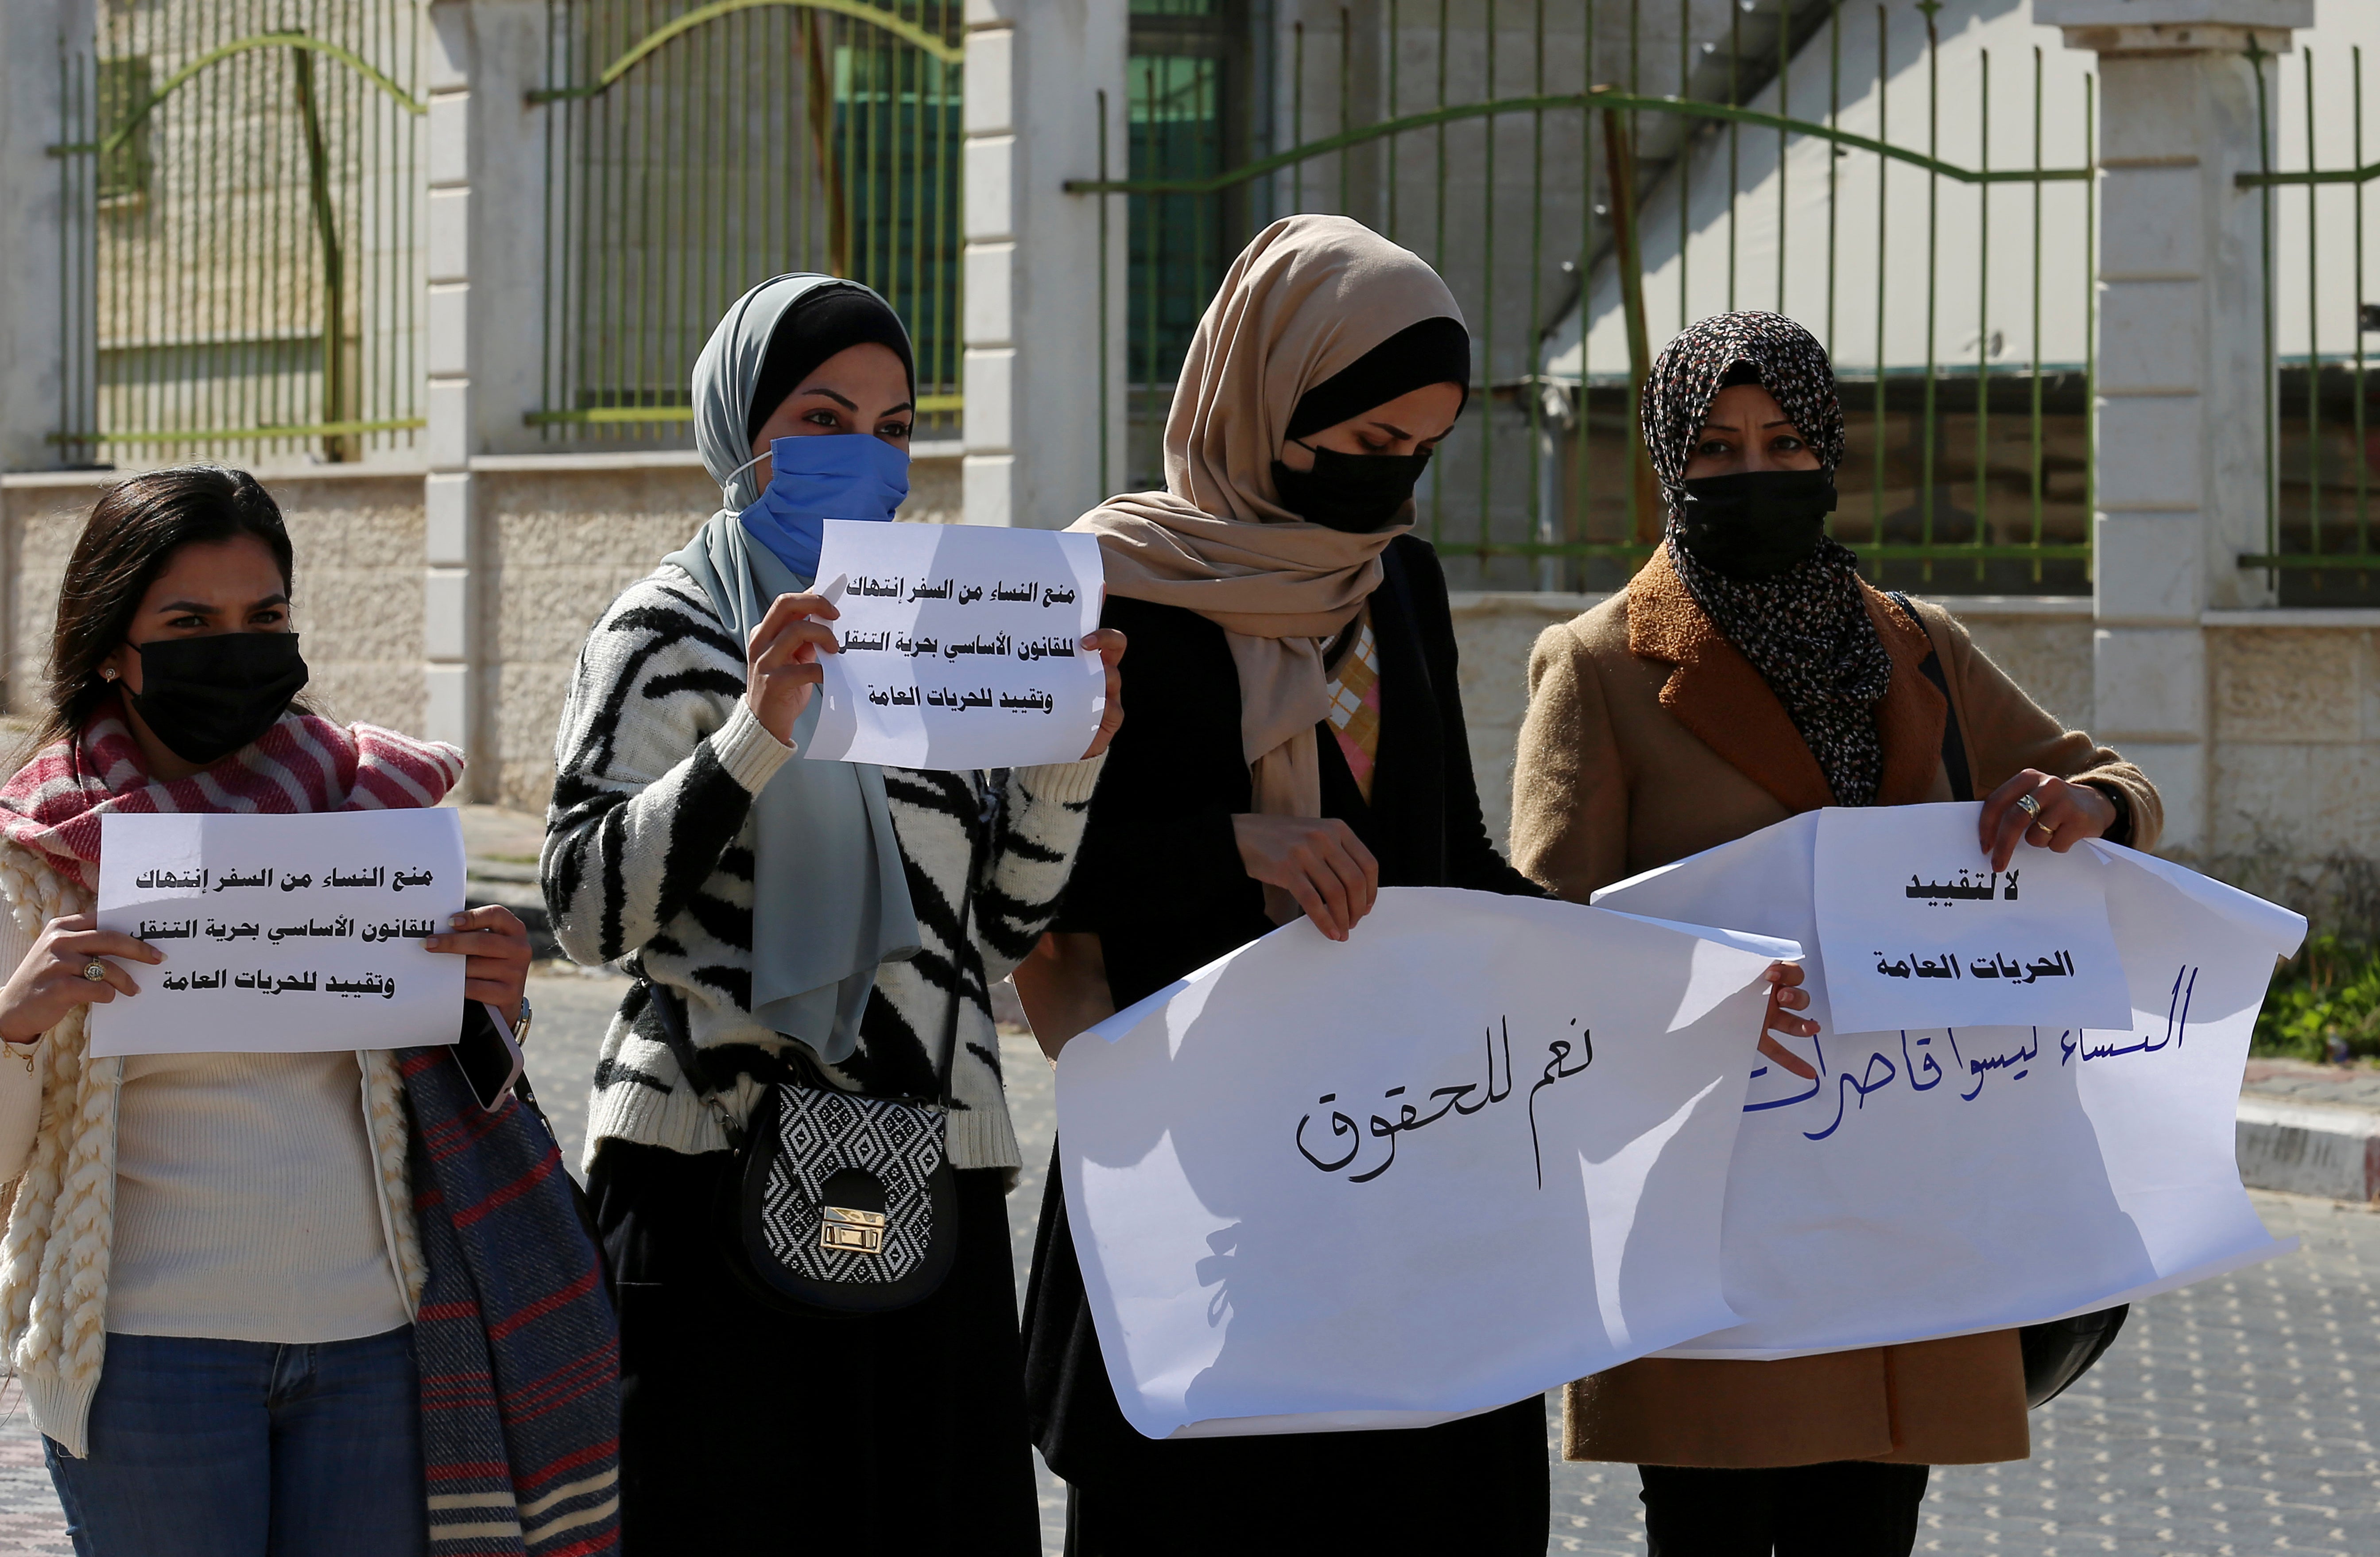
point(755, 1431)
point(1478, 1486)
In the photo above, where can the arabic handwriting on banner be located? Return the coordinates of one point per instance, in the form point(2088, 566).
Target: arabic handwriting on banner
point(1247, 1274)
point(1410, 1117)
point(948, 633)
point(2044, 1169)
point(1982, 1053)
point(263, 918)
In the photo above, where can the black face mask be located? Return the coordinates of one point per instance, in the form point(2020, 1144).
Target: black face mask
point(1355, 493)
point(205, 697)
point(1757, 524)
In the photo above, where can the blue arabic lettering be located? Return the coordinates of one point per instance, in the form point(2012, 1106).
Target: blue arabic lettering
point(1864, 1086)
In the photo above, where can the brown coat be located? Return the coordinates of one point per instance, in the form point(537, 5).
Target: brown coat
point(1649, 738)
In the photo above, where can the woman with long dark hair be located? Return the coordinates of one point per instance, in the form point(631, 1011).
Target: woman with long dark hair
point(228, 1278)
point(1745, 674)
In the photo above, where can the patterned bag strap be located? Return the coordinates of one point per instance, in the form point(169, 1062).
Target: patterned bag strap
point(669, 1011)
point(958, 979)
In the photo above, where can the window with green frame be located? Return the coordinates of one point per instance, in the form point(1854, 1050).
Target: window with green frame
point(1181, 96)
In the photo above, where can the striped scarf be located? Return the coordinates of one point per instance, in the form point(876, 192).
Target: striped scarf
point(518, 1351)
point(514, 1336)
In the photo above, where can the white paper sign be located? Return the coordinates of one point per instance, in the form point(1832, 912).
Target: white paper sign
point(1917, 931)
point(1905, 1185)
point(1477, 1149)
point(283, 934)
point(959, 645)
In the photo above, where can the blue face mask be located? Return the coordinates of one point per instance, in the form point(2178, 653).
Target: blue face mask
point(830, 476)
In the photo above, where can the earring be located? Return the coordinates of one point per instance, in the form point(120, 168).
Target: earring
point(108, 674)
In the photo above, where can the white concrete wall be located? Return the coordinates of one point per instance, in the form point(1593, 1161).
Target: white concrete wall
point(1033, 261)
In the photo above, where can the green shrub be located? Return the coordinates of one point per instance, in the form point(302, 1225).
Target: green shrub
point(2325, 1002)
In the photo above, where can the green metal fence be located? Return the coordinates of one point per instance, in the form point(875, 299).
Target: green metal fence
point(694, 150)
point(1582, 213)
point(2319, 449)
point(241, 230)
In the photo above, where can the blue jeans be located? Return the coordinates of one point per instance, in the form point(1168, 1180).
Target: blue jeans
point(248, 1449)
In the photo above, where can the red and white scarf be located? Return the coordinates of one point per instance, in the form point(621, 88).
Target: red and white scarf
point(304, 763)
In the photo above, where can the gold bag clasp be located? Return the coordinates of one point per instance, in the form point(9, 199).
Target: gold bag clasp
point(844, 1231)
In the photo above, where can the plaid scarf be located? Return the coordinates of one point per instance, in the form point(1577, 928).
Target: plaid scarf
point(514, 1336)
point(303, 763)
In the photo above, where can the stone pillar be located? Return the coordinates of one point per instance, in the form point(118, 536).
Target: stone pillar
point(1034, 417)
point(484, 240)
point(2181, 396)
point(33, 345)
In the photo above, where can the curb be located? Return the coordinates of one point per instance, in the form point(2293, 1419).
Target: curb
point(2308, 1149)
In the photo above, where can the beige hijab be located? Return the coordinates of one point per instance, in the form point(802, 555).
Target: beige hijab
point(1310, 295)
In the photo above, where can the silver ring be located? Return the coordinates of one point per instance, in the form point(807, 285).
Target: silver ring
point(2028, 805)
point(96, 970)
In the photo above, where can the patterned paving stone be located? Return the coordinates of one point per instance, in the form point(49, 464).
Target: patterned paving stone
point(2229, 1418)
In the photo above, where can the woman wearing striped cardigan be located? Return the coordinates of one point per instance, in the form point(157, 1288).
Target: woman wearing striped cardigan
point(815, 921)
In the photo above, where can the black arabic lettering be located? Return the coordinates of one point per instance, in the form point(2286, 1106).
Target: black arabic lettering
point(1340, 1126)
point(1557, 1070)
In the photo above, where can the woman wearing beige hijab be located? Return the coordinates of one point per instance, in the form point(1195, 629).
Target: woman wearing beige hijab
point(1312, 752)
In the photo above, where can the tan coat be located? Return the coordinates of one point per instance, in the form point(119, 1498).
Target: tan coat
point(1650, 737)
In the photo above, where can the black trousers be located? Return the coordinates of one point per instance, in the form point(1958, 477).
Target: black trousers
point(1475, 1488)
point(1847, 1508)
point(753, 1431)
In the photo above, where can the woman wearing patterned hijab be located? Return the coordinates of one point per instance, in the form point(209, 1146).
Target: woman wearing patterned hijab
point(1745, 674)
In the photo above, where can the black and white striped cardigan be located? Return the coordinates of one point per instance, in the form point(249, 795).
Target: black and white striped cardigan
point(648, 856)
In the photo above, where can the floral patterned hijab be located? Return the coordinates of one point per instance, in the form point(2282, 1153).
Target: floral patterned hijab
point(1806, 629)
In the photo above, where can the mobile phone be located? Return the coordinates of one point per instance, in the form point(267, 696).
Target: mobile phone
point(491, 1059)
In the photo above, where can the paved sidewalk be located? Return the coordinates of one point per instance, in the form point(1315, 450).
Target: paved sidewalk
point(2352, 1086)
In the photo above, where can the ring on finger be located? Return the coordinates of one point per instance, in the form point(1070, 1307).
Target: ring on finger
point(96, 970)
point(2030, 807)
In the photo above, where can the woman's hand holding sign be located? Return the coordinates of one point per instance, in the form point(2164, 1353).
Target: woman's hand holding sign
point(2045, 811)
point(55, 978)
point(781, 661)
point(495, 949)
point(1318, 860)
point(1108, 644)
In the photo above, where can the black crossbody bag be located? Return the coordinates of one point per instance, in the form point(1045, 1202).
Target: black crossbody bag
point(2061, 1351)
point(839, 1201)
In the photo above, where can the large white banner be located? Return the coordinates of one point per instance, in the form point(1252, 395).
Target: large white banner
point(1477, 1149)
point(1913, 1183)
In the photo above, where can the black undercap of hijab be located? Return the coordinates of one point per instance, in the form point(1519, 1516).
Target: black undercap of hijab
point(821, 322)
point(1805, 629)
point(1434, 351)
